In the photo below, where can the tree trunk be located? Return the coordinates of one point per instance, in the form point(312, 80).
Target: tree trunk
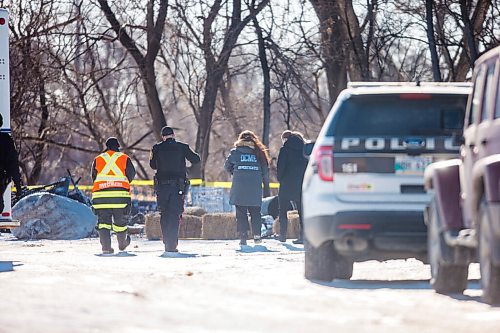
point(154, 104)
point(266, 73)
point(332, 45)
point(228, 109)
point(359, 64)
point(436, 72)
point(39, 148)
point(216, 67)
point(154, 31)
point(470, 41)
point(206, 115)
point(473, 29)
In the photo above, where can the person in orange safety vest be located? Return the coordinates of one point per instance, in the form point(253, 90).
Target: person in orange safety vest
point(112, 172)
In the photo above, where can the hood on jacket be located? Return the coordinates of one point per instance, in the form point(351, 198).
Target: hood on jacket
point(294, 142)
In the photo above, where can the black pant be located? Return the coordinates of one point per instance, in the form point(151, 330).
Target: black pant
point(171, 205)
point(242, 219)
point(3, 186)
point(111, 218)
point(284, 202)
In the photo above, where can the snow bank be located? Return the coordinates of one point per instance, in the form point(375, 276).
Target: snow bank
point(50, 216)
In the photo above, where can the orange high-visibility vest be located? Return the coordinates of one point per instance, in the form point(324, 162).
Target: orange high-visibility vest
point(110, 167)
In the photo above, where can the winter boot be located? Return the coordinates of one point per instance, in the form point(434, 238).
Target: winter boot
point(105, 239)
point(243, 238)
point(123, 240)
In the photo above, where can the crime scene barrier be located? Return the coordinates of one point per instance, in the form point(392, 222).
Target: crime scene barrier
point(211, 196)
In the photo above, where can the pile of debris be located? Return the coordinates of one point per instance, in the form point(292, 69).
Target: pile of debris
point(54, 212)
point(50, 216)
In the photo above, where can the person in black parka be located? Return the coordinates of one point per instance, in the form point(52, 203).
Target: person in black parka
point(248, 163)
point(9, 165)
point(291, 167)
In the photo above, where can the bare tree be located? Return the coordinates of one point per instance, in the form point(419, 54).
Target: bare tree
point(145, 62)
point(216, 61)
point(429, 9)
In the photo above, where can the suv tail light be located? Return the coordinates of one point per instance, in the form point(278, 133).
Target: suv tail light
point(324, 162)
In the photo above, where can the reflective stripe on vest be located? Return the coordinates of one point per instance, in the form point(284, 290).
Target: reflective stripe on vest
point(111, 171)
point(108, 206)
point(110, 194)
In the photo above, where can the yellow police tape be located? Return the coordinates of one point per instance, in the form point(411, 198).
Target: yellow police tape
point(193, 182)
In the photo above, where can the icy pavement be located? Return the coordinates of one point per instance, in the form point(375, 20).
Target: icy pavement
point(218, 286)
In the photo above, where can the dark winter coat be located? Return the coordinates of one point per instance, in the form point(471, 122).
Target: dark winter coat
point(9, 166)
point(291, 167)
point(169, 157)
point(248, 175)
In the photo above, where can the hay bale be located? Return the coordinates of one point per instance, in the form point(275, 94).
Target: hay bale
point(190, 226)
point(219, 226)
point(293, 229)
point(152, 226)
point(196, 211)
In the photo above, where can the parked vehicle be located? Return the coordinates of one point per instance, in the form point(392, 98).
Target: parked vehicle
point(61, 187)
point(363, 191)
point(464, 216)
point(6, 215)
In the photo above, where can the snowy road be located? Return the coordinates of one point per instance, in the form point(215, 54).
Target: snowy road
point(214, 286)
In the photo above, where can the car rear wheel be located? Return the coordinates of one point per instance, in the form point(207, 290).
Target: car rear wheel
point(445, 277)
point(325, 264)
point(490, 274)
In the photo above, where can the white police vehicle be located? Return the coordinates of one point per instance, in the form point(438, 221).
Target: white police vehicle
point(363, 190)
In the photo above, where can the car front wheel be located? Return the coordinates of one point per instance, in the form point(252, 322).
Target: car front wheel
point(325, 264)
point(445, 277)
point(490, 274)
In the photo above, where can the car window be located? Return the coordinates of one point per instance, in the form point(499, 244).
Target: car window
point(489, 93)
point(399, 115)
point(476, 97)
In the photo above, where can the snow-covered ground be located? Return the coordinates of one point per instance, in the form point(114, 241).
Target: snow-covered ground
point(215, 286)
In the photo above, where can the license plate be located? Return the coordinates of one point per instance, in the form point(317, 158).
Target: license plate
point(411, 165)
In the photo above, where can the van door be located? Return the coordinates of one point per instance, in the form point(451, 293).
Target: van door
point(469, 150)
point(489, 129)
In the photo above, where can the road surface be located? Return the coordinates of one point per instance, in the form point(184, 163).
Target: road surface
point(216, 286)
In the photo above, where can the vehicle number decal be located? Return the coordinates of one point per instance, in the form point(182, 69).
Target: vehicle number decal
point(349, 167)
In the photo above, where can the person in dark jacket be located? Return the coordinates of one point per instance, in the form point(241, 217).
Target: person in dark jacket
point(291, 166)
point(248, 163)
point(9, 165)
point(168, 158)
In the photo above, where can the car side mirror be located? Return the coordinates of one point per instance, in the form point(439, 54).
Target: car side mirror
point(308, 147)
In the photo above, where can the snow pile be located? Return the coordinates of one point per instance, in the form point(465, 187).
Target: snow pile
point(50, 216)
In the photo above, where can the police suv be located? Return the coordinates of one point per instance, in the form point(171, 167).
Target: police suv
point(363, 190)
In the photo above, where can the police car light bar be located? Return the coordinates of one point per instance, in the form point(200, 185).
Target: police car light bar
point(408, 84)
